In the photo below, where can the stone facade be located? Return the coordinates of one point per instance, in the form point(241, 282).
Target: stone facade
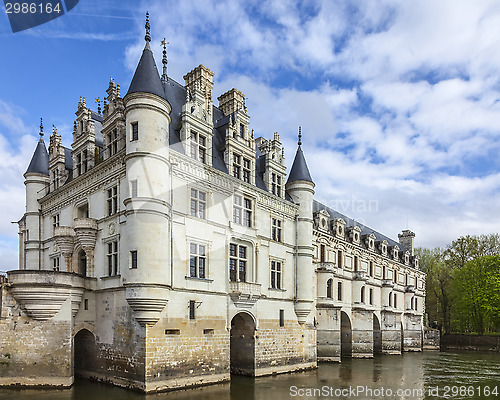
point(165, 250)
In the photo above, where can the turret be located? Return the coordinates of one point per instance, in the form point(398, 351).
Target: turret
point(147, 234)
point(301, 189)
point(36, 182)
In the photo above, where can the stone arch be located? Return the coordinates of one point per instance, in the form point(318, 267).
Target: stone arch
point(377, 336)
point(242, 344)
point(85, 353)
point(329, 288)
point(345, 335)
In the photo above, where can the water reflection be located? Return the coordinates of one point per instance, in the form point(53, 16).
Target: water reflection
point(417, 373)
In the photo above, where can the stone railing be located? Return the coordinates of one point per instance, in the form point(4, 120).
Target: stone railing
point(244, 294)
point(42, 293)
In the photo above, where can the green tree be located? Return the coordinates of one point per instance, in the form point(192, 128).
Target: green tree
point(476, 295)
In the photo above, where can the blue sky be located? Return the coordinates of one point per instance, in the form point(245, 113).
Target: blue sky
point(398, 101)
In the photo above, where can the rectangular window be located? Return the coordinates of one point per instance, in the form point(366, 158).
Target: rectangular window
point(192, 308)
point(198, 147)
point(339, 258)
point(86, 304)
point(133, 259)
point(135, 131)
point(113, 200)
point(242, 130)
point(339, 291)
point(55, 222)
point(112, 258)
point(237, 262)
point(113, 142)
point(237, 166)
point(78, 165)
point(133, 188)
point(275, 274)
point(55, 264)
point(282, 317)
point(395, 300)
point(276, 229)
point(242, 210)
point(276, 184)
point(198, 203)
point(197, 260)
point(371, 268)
point(85, 161)
point(371, 296)
point(246, 170)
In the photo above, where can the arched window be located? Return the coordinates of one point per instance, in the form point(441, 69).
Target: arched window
point(329, 289)
point(363, 294)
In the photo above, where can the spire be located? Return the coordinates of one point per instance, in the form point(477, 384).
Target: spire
point(299, 170)
point(146, 78)
point(164, 60)
point(39, 163)
point(147, 38)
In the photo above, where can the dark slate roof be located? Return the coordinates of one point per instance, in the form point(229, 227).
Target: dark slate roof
point(365, 230)
point(175, 94)
point(40, 161)
point(299, 170)
point(146, 78)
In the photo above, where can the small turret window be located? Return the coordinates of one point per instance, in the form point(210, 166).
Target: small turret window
point(135, 131)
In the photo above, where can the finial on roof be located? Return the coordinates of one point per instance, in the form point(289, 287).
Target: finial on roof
point(300, 135)
point(41, 128)
point(54, 129)
point(164, 60)
point(98, 101)
point(147, 38)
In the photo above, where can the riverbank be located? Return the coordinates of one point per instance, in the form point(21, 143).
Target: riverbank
point(457, 341)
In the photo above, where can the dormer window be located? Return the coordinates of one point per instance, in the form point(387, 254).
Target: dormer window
point(246, 170)
point(242, 130)
point(237, 166)
point(198, 147)
point(276, 184)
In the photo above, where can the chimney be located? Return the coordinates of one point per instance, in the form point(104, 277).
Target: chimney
point(406, 241)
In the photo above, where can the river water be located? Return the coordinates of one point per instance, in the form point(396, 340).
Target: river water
point(428, 375)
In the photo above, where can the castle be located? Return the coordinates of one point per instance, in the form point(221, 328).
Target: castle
point(168, 248)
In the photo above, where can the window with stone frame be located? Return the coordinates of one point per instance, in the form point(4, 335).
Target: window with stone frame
point(113, 142)
point(339, 291)
point(133, 259)
point(112, 200)
point(55, 264)
point(246, 170)
point(276, 229)
point(78, 164)
point(237, 166)
point(112, 257)
point(55, 178)
point(85, 161)
point(238, 261)
point(276, 271)
point(198, 203)
point(242, 210)
point(329, 288)
point(198, 147)
point(55, 222)
point(197, 260)
point(135, 131)
point(370, 298)
point(276, 184)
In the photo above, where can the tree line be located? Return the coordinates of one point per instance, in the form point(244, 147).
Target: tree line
point(463, 284)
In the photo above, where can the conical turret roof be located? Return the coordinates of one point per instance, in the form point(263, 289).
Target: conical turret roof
point(299, 170)
point(146, 78)
point(40, 161)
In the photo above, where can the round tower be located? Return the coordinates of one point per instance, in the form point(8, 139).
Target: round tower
point(36, 182)
point(301, 188)
point(147, 115)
